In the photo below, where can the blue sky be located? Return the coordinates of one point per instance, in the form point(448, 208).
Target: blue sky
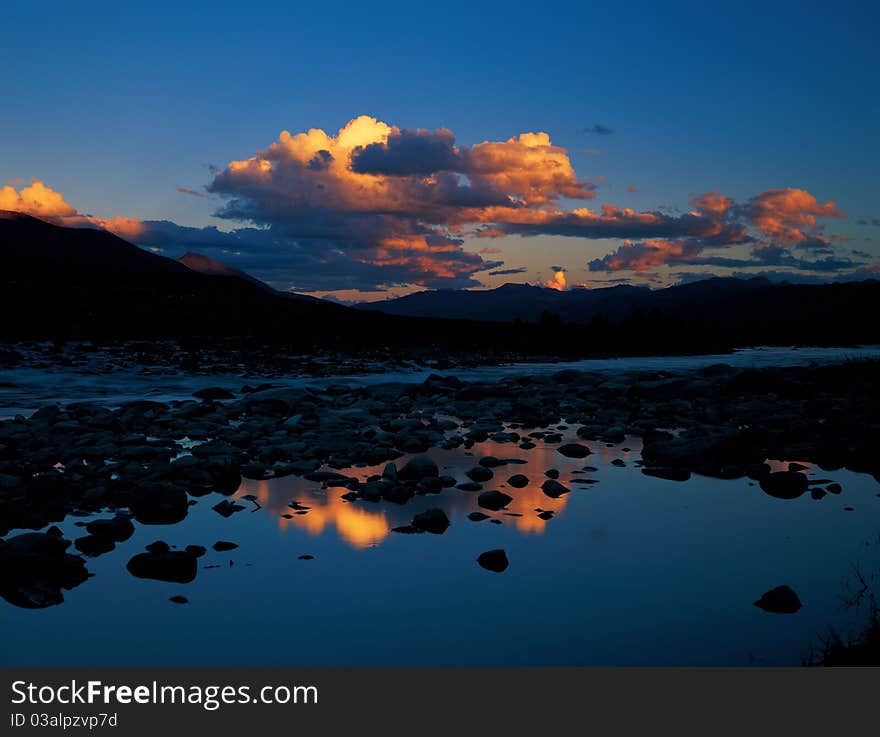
point(117, 107)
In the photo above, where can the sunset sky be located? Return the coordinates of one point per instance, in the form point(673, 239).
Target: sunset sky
point(374, 151)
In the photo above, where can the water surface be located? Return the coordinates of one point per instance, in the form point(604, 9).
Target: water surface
point(631, 570)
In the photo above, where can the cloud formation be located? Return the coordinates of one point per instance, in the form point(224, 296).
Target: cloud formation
point(373, 206)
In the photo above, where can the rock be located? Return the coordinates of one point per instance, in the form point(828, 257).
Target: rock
point(785, 484)
point(573, 450)
point(407, 530)
point(118, 529)
point(781, 600)
point(818, 493)
point(834, 488)
point(553, 489)
point(757, 471)
point(670, 474)
point(431, 520)
point(213, 392)
point(197, 550)
point(35, 567)
point(390, 472)
point(491, 462)
point(619, 462)
point(480, 474)
point(551, 473)
point(158, 504)
point(93, 546)
point(221, 546)
point(256, 471)
point(477, 516)
point(171, 566)
point(306, 557)
point(494, 500)
point(518, 481)
point(227, 508)
point(178, 599)
point(797, 467)
point(417, 468)
point(493, 560)
point(469, 486)
point(546, 515)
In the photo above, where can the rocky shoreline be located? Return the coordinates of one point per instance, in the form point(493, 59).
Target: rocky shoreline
point(147, 462)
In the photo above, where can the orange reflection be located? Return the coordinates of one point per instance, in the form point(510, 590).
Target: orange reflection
point(358, 526)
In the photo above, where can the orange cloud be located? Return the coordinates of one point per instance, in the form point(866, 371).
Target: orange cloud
point(36, 199)
point(788, 216)
point(558, 280)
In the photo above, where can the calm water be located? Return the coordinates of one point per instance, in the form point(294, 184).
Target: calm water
point(631, 570)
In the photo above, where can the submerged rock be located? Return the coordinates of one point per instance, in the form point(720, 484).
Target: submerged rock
point(518, 481)
point(781, 600)
point(493, 560)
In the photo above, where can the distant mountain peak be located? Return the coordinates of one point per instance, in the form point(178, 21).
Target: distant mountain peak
point(207, 265)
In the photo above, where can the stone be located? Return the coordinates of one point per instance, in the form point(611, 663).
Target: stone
point(494, 500)
point(431, 520)
point(172, 566)
point(781, 600)
point(493, 560)
point(785, 484)
point(417, 468)
point(573, 450)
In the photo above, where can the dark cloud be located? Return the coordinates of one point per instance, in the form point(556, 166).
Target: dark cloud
point(409, 152)
point(598, 129)
point(508, 272)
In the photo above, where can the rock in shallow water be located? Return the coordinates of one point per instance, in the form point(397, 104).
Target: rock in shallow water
point(518, 481)
point(480, 474)
point(573, 450)
point(35, 567)
point(494, 500)
point(785, 484)
point(431, 520)
point(670, 474)
point(554, 489)
point(493, 560)
point(417, 468)
point(158, 504)
point(781, 600)
point(118, 529)
point(173, 566)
